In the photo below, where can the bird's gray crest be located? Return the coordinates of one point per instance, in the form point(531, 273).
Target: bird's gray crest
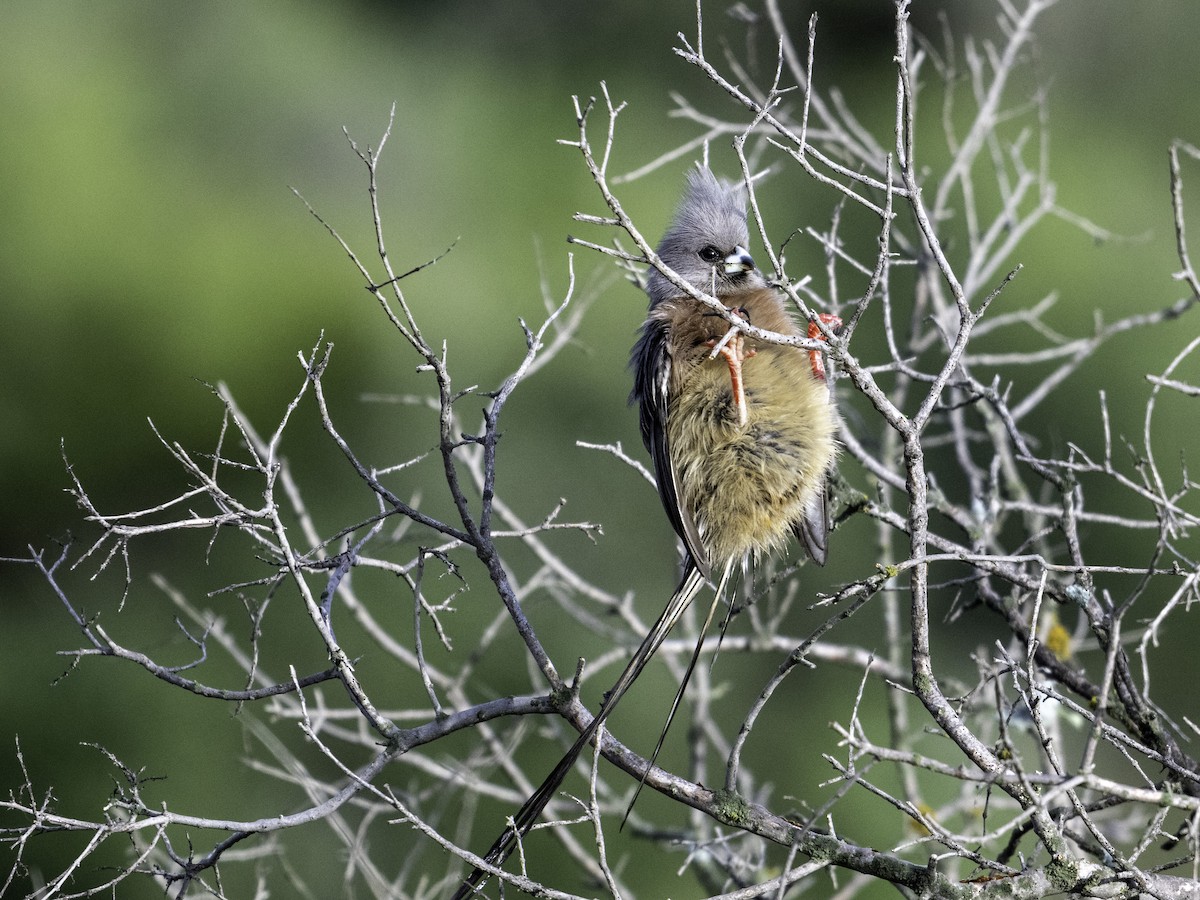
point(711, 214)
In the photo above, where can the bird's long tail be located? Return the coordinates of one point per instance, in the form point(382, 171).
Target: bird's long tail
point(689, 586)
point(683, 683)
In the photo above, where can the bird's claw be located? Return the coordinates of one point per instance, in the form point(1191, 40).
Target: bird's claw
point(732, 346)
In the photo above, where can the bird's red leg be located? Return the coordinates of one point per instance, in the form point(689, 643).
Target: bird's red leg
point(814, 356)
point(735, 354)
point(732, 346)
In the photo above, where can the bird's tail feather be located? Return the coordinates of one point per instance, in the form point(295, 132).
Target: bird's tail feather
point(693, 580)
point(721, 589)
point(687, 675)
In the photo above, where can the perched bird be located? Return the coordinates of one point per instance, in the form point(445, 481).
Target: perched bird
point(741, 432)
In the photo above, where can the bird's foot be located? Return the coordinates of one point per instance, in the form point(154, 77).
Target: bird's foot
point(814, 356)
point(732, 347)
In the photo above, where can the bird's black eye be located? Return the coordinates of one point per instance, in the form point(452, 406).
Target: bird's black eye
point(710, 254)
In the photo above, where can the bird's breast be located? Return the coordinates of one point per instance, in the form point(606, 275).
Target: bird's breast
point(746, 483)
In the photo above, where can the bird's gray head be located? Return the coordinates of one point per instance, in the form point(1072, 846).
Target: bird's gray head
point(706, 243)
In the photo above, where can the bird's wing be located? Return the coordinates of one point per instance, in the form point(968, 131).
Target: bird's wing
point(651, 385)
point(528, 814)
point(813, 529)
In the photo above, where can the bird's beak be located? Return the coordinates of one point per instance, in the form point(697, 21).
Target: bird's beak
point(739, 262)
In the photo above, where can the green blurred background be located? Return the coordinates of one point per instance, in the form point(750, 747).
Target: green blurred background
point(149, 241)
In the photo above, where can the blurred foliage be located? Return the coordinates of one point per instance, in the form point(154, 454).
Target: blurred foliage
point(149, 242)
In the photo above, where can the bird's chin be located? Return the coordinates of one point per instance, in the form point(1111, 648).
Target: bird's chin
point(744, 279)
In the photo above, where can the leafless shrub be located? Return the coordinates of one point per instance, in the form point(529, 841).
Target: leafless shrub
point(967, 510)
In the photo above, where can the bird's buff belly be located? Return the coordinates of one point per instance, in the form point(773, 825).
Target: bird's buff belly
point(746, 485)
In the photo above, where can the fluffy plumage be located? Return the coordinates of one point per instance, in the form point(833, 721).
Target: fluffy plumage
point(741, 434)
point(731, 488)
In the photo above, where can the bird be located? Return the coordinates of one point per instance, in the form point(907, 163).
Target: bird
point(742, 434)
